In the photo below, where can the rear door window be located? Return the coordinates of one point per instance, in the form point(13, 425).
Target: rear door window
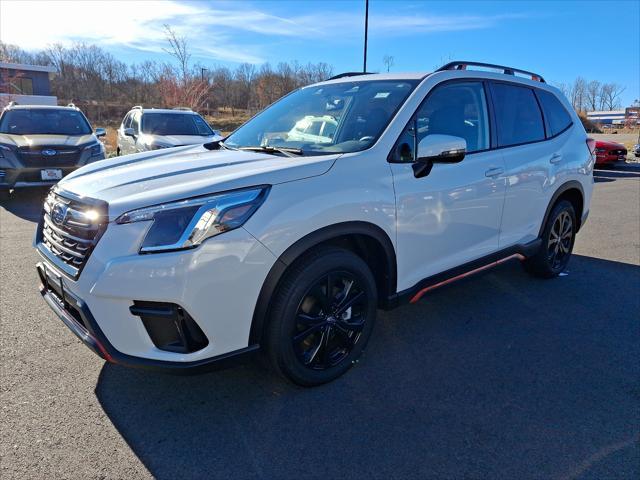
point(135, 123)
point(518, 115)
point(126, 123)
point(558, 119)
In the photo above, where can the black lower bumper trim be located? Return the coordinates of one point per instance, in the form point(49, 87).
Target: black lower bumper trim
point(76, 316)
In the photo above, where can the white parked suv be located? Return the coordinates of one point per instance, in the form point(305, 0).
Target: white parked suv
point(190, 258)
point(154, 128)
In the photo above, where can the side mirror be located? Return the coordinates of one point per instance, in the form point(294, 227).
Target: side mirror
point(437, 148)
point(129, 132)
point(101, 132)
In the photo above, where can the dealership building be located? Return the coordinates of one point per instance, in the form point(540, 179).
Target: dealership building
point(629, 115)
point(26, 84)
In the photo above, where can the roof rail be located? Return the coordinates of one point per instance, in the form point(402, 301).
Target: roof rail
point(462, 65)
point(12, 103)
point(185, 109)
point(349, 74)
point(136, 107)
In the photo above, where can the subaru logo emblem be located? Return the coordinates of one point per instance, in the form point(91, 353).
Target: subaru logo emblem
point(59, 213)
point(48, 152)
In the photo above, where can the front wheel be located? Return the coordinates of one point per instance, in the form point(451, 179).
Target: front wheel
point(558, 238)
point(322, 316)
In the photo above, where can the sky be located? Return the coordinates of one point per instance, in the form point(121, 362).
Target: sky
point(598, 40)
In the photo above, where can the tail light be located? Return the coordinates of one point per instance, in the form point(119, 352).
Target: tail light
point(591, 145)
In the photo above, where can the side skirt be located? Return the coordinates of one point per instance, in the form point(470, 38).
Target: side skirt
point(413, 294)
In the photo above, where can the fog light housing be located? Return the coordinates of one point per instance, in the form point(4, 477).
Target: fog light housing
point(170, 327)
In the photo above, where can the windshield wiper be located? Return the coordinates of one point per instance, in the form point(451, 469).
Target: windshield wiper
point(287, 151)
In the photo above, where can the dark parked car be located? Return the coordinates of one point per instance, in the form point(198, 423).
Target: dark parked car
point(41, 144)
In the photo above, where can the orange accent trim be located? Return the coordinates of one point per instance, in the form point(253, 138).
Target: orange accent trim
point(419, 295)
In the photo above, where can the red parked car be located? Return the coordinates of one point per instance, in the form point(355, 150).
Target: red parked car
point(608, 152)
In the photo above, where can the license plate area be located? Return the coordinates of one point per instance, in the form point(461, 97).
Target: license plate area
point(52, 282)
point(49, 174)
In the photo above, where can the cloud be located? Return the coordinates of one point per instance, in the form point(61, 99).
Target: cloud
point(233, 32)
point(136, 25)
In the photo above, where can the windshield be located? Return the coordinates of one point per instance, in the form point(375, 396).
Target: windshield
point(323, 119)
point(175, 124)
point(44, 121)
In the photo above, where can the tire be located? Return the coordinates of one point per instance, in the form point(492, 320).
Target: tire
point(117, 152)
point(4, 193)
point(313, 338)
point(553, 256)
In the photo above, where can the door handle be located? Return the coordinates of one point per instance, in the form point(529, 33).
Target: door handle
point(555, 158)
point(494, 172)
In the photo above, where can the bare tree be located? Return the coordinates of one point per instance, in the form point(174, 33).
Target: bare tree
point(611, 95)
point(578, 94)
point(178, 50)
point(593, 93)
point(388, 61)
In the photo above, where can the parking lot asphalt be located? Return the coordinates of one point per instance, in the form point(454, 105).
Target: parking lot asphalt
point(498, 376)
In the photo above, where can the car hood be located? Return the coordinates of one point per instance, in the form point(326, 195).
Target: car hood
point(177, 140)
point(34, 141)
point(150, 178)
point(605, 144)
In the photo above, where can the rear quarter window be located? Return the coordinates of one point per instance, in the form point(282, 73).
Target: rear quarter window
point(558, 119)
point(518, 115)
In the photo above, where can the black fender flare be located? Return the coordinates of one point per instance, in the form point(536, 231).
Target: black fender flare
point(570, 185)
point(307, 242)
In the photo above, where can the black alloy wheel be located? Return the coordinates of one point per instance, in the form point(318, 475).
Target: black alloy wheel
point(557, 238)
point(322, 316)
point(329, 320)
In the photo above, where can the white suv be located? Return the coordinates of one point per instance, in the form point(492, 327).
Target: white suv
point(154, 128)
point(189, 258)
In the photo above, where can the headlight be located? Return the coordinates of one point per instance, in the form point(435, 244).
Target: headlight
point(187, 223)
point(95, 149)
point(148, 142)
point(158, 146)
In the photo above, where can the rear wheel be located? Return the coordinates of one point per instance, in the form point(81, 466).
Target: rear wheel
point(322, 316)
point(4, 193)
point(558, 238)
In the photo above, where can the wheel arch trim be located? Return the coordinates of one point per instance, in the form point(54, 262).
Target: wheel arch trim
point(315, 238)
point(570, 185)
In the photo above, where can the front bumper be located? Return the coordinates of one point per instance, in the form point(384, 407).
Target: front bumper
point(218, 283)
point(28, 177)
point(75, 314)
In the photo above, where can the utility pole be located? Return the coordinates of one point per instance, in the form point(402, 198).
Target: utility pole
point(366, 31)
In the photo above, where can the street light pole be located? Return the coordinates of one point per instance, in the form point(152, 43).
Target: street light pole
point(366, 31)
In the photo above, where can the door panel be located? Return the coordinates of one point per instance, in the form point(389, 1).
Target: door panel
point(529, 159)
point(448, 218)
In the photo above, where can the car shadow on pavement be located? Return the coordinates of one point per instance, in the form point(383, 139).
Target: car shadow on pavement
point(26, 203)
point(497, 376)
point(603, 176)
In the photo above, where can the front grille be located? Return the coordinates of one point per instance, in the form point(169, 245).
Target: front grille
point(70, 229)
point(63, 157)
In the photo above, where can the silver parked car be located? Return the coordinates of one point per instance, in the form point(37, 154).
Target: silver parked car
point(154, 128)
